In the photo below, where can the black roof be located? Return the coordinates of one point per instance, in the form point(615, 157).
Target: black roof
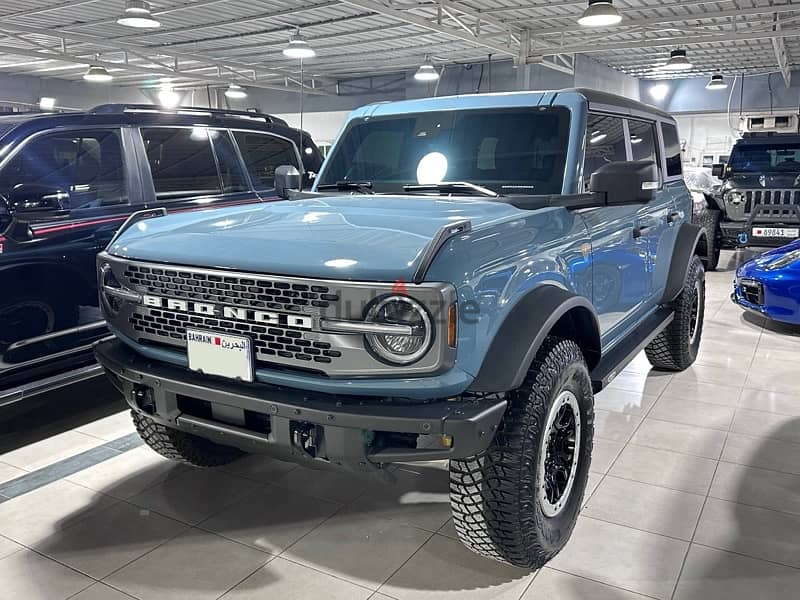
point(769, 137)
point(619, 103)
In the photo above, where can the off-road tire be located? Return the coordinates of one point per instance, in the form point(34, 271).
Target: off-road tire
point(493, 496)
point(710, 220)
point(675, 349)
point(181, 446)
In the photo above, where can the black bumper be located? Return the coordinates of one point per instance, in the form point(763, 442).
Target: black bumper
point(732, 230)
point(355, 432)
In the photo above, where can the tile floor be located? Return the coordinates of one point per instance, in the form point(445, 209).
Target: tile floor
point(694, 493)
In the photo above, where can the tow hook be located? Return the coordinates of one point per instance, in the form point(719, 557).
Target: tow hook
point(305, 437)
point(143, 398)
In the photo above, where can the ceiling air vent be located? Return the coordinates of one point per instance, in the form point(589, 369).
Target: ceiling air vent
point(772, 123)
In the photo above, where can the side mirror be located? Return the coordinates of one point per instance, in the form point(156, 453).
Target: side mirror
point(719, 170)
point(34, 197)
point(287, 178)
point(626, 182)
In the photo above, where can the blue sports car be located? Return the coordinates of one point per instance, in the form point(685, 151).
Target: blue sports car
point(770, 284)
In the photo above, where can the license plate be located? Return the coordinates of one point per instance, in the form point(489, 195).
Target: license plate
point(220, 354)
point(776, 232)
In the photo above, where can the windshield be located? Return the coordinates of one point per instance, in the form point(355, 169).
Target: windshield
point(760, 158)
point(519, 151)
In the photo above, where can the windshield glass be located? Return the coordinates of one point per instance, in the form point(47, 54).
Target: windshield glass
point(760, 158)
point(518, 151)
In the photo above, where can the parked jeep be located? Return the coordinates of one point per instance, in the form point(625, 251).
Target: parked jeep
point(68, 181)
point(760, 199)
point(465, 274)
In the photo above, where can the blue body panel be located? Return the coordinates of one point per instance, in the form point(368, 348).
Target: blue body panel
point(508, 253)
point(781, 285)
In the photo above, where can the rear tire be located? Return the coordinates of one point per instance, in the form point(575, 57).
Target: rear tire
point(518, 501)
point(675, 348)
point(181, 446)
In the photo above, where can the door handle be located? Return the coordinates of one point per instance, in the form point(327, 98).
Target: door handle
point(672, 217)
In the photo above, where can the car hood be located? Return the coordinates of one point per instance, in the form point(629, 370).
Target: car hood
point(376, 238)
point(763, 263)
point(782, 181)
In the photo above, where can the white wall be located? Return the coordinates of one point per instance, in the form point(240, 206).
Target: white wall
point(323, 126)
point(707, 133)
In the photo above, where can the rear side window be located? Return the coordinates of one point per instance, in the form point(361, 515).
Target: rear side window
point(643, 140)
point(605, 143)
point(181, 162)
point(77, 169)
point(230, 168)
point(263, 153)
point(672, 149)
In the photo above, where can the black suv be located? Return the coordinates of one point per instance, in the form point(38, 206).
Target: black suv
point(67, 183)
point(760, 199)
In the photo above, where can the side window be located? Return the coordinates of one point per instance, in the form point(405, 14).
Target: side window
point(67, 170)
point(605, 143)
point(230, 169)
point(643, 140)
point(181, 162)
point(263, 153)
point(672, 149)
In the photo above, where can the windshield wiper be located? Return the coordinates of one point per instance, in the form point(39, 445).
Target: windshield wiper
point(363, 187)
point(453, 187)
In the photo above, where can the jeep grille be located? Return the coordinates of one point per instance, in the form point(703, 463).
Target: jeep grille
point(777, 206)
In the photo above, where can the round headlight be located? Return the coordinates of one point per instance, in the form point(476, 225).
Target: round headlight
point(734, 197)
point(400, 348)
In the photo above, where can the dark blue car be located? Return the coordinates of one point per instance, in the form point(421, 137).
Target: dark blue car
point(770, 284)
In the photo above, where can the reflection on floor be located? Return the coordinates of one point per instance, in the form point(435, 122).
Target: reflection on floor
point(694, 493)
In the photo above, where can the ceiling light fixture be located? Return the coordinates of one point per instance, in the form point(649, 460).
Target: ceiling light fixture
point(659, 91)
point(597, 137)
point(137, 14)
point(678, 61)
point(717, 82)
point(600, 13)
point(168, 97)
point(47, 104)
point(235, 92)
point(298, 47)
point(97, 74)
point(426, 71)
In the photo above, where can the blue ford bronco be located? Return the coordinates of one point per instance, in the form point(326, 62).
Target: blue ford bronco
point(466, 272)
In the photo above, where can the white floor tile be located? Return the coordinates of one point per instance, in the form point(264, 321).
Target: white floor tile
point(555, 585)
point(443, 568)
point(692, 412)
point(646, 507)
point(334, 485)
point(196, 565)
point(8, 547)
point(7, 472)
point(650, 384)
point(713, 393)
point(111, 427)
point(768, 425)
point(100, 591)
point(284, 580)
point(774, 402)
point(620, 556)
point(679, 437)
point(752, 531)
point(50, 450)
point(617, 427)
point(762, 452)
point(624, 401)
point(757, 487)
point(26, 575)
point(712, 574)
point(698, 373)
point(604, 453)
point(672, 470)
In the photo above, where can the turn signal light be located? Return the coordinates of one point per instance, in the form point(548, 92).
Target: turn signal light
point(452, 326)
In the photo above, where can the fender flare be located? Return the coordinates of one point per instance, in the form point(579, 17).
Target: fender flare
point(690, 236)
point(524, 330)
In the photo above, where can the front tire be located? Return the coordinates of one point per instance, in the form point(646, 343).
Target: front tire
point(675, 348)
point(710, 220)
point(181, 446)
point(518, 501)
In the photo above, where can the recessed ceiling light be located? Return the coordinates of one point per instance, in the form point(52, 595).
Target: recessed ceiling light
point(298, 47)
point(600, 13)
point(97, 74)
point(168, 97)
point(717, 82)
point(659, 91)
point(426, 72)
point(235, 91)
point(678, 61)
point(137, 14)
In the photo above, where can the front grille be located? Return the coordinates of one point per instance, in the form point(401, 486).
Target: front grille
point(772, 205)
point(272, 344)
point(752, 291)
point(224, 289)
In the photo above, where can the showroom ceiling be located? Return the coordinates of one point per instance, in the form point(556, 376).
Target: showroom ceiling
point(224, 41)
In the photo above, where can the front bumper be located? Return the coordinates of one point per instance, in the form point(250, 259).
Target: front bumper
point(353, 432)
point(782, 312)
point(739, 234)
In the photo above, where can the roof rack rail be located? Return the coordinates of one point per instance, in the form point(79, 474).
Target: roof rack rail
point(190, 110)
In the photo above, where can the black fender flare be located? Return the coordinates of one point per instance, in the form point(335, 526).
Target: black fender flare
point(690, 236)
point(547, 308)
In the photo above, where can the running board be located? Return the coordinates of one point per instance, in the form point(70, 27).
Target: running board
point(19, 393)
point(616, 359)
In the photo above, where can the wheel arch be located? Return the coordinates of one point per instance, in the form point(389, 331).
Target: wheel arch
point(546, 310)
point(692, 240)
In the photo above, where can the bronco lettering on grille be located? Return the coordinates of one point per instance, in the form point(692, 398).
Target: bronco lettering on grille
point(229, 312)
